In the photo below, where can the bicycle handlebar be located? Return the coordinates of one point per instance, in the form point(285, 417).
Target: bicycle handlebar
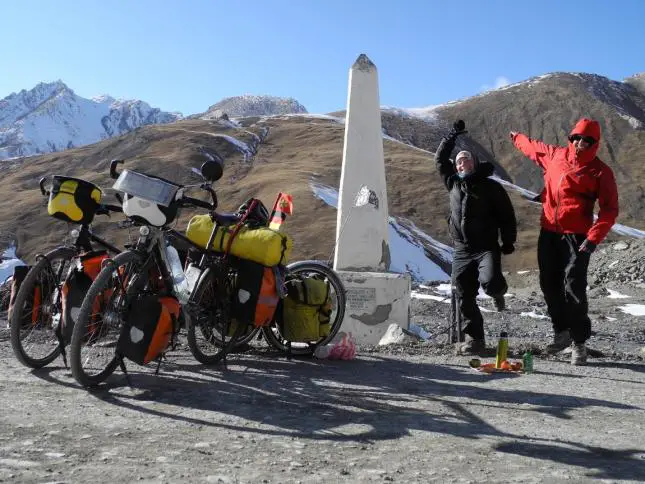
point(41, 183)
point(187, 200)
point(113, 164)
point(105, 209)
point(197, 203)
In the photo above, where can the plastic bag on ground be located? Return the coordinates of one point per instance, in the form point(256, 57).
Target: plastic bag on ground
point(342, 347)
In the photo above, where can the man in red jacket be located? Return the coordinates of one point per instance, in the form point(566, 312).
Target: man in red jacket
point(574, 178)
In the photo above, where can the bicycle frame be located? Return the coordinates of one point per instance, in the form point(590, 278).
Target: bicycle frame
point(153, 241)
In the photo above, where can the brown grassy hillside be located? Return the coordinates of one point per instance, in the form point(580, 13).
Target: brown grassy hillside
point(297, 150)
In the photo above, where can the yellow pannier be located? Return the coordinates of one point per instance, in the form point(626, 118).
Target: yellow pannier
point(262, 245)
point(307, 310)
point(73, 200)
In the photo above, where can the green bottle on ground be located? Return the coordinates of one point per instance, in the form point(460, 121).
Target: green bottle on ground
point(527, 362)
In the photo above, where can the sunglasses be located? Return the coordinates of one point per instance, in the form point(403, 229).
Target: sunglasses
point(587, 139)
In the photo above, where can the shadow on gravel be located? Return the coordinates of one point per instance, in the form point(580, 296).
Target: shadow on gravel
point(625, 464)
point(637, 367)
point(365, 400)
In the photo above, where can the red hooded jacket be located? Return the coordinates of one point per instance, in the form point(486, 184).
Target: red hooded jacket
point(573, 183)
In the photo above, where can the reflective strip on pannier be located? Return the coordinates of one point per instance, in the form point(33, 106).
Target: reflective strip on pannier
point(255, 294)
point(148, 329)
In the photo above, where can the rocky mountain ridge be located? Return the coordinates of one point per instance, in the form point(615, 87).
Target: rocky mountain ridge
point(251, 105)
point(51, 117)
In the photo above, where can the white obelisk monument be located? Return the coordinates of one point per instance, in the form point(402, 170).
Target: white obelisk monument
point(376, 297)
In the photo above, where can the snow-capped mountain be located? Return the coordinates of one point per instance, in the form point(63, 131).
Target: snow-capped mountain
point(51, 117)
point(250, 105)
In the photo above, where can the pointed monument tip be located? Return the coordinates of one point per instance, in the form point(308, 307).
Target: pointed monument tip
point(363, 63)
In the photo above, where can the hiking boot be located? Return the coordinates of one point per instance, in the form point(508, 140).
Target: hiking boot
point(472, 346)
point(500, 303)
point(578, 354)
point(561, 340)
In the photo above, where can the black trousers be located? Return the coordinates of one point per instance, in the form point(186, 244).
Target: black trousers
point(563, 280)
point(470, 269)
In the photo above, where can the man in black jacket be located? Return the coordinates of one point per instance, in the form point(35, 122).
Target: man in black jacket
point(480, 214)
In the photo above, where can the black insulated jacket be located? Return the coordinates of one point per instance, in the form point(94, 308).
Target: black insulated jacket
point(481, 211)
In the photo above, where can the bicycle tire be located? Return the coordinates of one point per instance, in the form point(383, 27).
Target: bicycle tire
point(37, 273)
point(197, 319)
point(272, 332)
point(83, 321)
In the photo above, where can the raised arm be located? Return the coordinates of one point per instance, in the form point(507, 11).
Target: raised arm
point(442, 155)
point(442, 159)
point(538, 151)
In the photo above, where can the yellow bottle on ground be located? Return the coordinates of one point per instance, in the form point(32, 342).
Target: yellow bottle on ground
point(502, 349)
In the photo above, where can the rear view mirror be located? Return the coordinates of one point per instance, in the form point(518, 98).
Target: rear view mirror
point(212, 170)
point(212, 164)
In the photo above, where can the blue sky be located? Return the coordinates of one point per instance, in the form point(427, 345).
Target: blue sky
point(186, 55)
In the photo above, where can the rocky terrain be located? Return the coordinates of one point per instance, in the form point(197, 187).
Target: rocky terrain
point(409, 413)
point(616, 287)
point(250, 105)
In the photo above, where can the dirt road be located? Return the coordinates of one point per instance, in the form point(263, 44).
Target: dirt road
point(418, 418)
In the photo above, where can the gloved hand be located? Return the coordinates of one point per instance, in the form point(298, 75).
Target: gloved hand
point(458, 127)
point(508, 249)
point(587, 246)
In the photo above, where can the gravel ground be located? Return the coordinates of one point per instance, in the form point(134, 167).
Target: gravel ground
point(403, 413)
point(616, 269)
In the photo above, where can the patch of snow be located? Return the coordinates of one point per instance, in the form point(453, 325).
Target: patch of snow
point(9, 261)
point(327, 117)
point(408, 255)
point(428, 113)
point(615, 294)
point(533, 314)
point(633, 122)
point(629, 231)
point(523, 272)
point(239, 145)
point(407, 252)
point(633, 309)
point(419, 295)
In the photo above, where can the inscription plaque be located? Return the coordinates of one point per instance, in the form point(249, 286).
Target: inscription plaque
point(361, 297)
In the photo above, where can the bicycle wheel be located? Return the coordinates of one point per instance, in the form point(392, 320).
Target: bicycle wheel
point(209, 322)
point(337, 289)
point(36, 313)
point(93, 356)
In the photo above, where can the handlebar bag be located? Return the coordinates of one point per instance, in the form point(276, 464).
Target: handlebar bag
point(263, 245)
point(149, 213)
point(306, 310)
point(148, 199)
point(148, 328)
point(76, 285)
point(73, 200)
point(255, 294)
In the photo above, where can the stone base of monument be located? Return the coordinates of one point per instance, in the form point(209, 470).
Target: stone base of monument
point(375, 300)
